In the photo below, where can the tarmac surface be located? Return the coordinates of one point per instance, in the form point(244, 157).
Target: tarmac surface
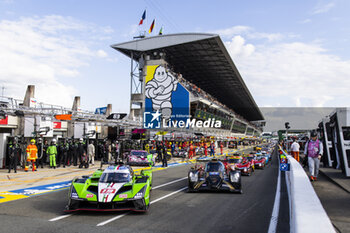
point(333, 189)
point(172, 208)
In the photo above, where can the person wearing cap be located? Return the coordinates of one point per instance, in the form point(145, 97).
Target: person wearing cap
point(52, 152)
point(32, 155)
point(295, 149)
point(314, 151)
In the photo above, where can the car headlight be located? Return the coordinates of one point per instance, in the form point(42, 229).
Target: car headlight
point(193, 177)
point(234, 177)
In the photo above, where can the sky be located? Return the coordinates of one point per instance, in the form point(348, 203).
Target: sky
point(289, 53)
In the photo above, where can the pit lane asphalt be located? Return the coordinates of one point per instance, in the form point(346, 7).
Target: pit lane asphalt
point(180, 212)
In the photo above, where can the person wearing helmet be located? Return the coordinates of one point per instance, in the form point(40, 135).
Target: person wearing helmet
point(32, 155)
point(52, 152)
point(313, 151)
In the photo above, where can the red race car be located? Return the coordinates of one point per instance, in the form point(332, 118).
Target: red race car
point(260, 161)
point(245, 166)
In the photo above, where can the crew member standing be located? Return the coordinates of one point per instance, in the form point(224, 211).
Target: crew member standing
point(52, 152)
point(205, 149)
point(314, 151)
point(32, 155)
point(14, 154)
point(295, 150)
point(164, 157)
point(91, 152)
point(41, 152)
point(221, 148)
point(172, 148)
point(212, 149)
point(190, 151)
point(82, 154)
point(147, 148)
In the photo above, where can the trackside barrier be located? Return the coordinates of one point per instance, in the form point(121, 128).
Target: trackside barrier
point(306, 211)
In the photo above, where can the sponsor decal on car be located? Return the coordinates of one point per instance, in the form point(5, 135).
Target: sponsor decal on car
point(107, 191)
point(123, 195)
point(89, 195)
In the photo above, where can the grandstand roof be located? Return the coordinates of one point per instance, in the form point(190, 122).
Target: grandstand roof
point(202, 59)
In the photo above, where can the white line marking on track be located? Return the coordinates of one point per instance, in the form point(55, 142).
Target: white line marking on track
point(276, 206)
point(112, 219)
point(168, 195)
point(171, 182)
point(60, 217)
point(152, 202)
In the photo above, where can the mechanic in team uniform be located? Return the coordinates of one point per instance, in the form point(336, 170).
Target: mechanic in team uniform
point(221, 148)
point(82, 154)
point(52, 153)
point(164, 155)
point(32, 155)
point(41, 152)
point(14, 154)
point(159, 152)
point(64, 149)
point(74, 151)
point(147, 147)
point(212, 149)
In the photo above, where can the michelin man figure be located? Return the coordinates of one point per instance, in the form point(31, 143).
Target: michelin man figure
point(160, 89)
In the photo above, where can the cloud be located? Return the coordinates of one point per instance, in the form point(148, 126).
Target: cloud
point(297, 74)
point(249, 33)
point(323, 8)
point(291, 73)
point(101, 53)
point(238, 48)
point(269, 36)
point(235, 30)
point(44, 51)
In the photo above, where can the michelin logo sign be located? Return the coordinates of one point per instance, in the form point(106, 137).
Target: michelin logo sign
point(167, 102)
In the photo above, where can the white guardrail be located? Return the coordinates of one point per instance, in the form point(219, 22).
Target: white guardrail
point(306, 211)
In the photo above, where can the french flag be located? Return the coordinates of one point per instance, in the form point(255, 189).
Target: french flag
point(143, 17)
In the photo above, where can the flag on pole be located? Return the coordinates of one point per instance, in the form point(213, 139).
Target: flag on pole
point(161, 31)
point(143, 18)
point(152, 26)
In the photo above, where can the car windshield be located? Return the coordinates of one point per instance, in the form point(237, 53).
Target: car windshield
point(139, 153)
point(113, 177)
point(235, 160)
point(214, 167)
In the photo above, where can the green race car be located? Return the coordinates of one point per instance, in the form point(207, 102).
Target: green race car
point(115, 188)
